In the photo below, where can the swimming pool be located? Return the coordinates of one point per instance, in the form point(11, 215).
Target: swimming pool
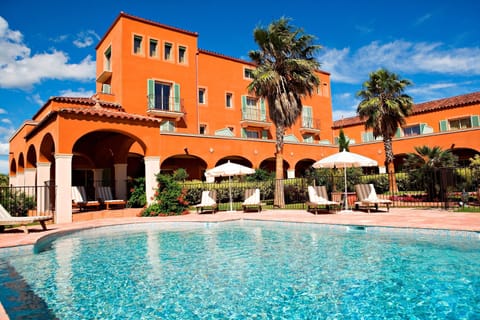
point(245, 270)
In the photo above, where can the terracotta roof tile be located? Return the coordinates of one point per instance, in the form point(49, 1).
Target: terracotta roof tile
point(424, 107)
point(88, 102)
point(108, 113)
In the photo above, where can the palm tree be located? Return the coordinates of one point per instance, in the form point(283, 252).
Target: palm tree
point(385, 106)
point(422, 166)
point(285, 73)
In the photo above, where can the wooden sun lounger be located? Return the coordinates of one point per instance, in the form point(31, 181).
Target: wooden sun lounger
point(8, 220)
point(318, 199)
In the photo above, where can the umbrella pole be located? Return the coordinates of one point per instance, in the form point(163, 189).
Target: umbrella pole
point(230, 191)
point(346, 192)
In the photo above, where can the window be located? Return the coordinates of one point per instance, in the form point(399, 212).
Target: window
point(251, 102)
point(108, 59)
point(201, 96)
point(411, 131)
point(153, 48)
point(106, 88)
point(248, 73)
point(252, 134)
point(228, 100)
point(167, 51)
point(462, 123)
point(182, 54)
point(366, 137)
point(167, 126)
point(325, 90)
point(307, 119)
point(159, 95)
point(203, 129)
point(308, 138)
point(137, 44)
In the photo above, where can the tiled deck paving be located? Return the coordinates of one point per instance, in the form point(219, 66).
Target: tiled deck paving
point(397, 217)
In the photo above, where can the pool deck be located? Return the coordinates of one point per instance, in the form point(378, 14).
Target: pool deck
point(396, 217)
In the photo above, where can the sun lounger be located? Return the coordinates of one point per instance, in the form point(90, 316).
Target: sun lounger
point(79, 199)
point(318, 199)
point(252, 200)
point(8, 220)
point(104, 195)
point(367, 197)
point(208, 201)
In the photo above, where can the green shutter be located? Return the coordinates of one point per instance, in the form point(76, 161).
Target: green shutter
point(265, 134)
point(475, 121)
point(176, 98)
point(443, 125)
point(263, 110)
point(364, 136)
point(398, 134)
point(244, 107)
point(151, 93)
point(244, 134)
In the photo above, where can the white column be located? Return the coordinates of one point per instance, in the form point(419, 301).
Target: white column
point(29, 174)
point(20, 181)
point(63, 180)
point(120, 180)
point(382, 169)
point(152, 168)
point(12, 181)
point(43, 196)
point(291, 174)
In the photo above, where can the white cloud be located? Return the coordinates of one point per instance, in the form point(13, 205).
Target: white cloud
point(79, 93)
point(3, 111)
point(20, 69)
point(86, 39)
point(4, 148)
point(347, 66)
point(3, 166)
point(423, 18)
point(36, 99)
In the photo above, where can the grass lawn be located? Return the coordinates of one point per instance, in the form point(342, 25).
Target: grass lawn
point(468, 209)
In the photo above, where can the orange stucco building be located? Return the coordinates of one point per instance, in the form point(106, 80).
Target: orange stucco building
point(162, 103)
point(450, 123)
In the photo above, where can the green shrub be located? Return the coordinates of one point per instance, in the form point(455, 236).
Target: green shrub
point(169, 198)
point(137, 198)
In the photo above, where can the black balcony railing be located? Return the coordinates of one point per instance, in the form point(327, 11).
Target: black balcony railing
point(253, 114)
point(310, 123)
point(167, 104)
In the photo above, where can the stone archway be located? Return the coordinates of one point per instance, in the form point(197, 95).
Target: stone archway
point(195, 166)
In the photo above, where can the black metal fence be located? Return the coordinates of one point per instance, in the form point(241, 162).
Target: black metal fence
point(28, 200)
point(429, 188)
point(434, 188)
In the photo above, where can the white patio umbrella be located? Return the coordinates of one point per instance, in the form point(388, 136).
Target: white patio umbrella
point(345, 159)
point(229, 169)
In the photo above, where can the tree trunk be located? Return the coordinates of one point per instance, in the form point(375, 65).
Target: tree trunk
point(392, 180)
point(279, 197)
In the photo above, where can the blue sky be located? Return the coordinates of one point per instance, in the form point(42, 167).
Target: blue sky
point(47, 48)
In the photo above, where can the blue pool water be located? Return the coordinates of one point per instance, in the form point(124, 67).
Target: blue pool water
point(244, 270)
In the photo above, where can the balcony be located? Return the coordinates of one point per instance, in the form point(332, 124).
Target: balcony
point(105, 76)
point(310, 126)
point(166, 107)
point(254, 117)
